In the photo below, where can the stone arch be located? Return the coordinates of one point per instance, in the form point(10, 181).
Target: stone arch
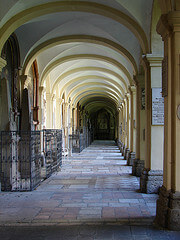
point(51, 66)
point(78, 38)
point(28, 14)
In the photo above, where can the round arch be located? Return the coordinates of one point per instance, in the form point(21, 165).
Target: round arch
point(83, 69)
point(57, 62)
point(77, 38)
point(120, 89)
point(19, 19)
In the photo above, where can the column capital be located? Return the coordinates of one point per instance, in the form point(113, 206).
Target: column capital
point(168, 23)
point(133, 89)
point(2, 63)
point(25, 80)
point(154, 60)
point(174, 20)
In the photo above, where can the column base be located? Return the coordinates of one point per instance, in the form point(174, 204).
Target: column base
point(124, 151)
point(151, 181)
point(168, 209)
point(131, 159)
point(127, 152)
point(137, 167)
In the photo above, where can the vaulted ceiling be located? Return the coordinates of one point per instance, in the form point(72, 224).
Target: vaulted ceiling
point(90, 50)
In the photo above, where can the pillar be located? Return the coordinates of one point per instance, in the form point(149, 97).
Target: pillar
point(139, 162)
point(4, 108)
point(66, 119)
point(152, 175)
point(58, 112)
point(41, 105)
point(128, 119)
point(49, 110)
point(54, 111)
point(168, 204)
point(132, 126)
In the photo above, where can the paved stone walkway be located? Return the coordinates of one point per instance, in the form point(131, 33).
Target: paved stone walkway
point(93, 186)
point(93, 190)
point(87, 232)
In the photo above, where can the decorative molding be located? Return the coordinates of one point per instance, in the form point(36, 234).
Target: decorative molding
point(154, 60)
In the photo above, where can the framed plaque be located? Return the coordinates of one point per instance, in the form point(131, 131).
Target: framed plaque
point(157, 107)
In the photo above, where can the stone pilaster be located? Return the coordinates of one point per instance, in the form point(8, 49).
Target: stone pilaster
point(151, 178)
point(138, 163)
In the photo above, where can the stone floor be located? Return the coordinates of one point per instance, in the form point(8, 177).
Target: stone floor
point(86, 232)
point(93, 189)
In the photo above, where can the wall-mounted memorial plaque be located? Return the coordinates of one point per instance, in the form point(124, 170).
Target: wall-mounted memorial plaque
point(157, 107)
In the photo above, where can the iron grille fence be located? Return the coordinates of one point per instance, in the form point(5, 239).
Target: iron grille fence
point(52, 147)
point(20, 157)
point(23, 165)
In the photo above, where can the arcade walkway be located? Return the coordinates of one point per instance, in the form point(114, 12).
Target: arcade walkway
point(92, 197)
point(93, 186)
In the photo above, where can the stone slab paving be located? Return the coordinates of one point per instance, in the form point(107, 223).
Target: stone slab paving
point(94, 196)
point(95, 185)
point(87, 232)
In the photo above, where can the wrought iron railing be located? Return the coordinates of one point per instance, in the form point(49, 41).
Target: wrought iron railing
point(27, 157)
point(20, 157)
point(52, 148)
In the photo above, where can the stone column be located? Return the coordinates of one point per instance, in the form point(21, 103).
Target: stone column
point(132, 127)
point(70, 123)
point(2, 65)
point(138, 164)
point(54, 111)
point(41, 109)
point(128, 110)
point(58, 112)
point(152, 175)
point(168, 204)
point(49, 110)
point(75, 120)
point(66, 119)
point(123, 128)
point(118, 127)
point(4, 108)
point(24, 82)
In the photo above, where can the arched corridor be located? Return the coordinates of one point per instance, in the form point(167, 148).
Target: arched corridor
point(74, 74)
